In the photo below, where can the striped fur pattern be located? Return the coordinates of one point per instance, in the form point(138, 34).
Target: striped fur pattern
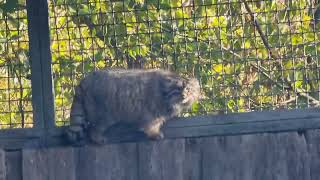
point(144, 98)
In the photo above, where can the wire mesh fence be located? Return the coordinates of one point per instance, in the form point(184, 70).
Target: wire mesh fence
point(15, 84)
point(248, 55)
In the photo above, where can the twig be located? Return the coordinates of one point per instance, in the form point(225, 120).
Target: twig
point(315, 101)
point(288, 101)
point(260, 68)
point(266, 44)
point(20, 102)
point(257, 25)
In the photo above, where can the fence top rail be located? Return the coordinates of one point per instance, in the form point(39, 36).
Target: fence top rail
point(183, 127)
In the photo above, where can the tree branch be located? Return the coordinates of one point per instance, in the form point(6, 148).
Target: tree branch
point(267, 46)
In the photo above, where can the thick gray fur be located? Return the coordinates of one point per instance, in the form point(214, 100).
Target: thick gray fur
point(144, 98)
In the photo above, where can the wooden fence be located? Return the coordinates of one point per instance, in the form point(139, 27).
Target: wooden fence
point(268, 146)
point(283, 156)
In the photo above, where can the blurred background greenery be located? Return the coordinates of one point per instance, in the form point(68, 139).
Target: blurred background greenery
point(248, 55)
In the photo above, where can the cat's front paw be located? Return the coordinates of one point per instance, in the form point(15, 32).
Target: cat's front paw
point(156, 136)
point(98, 138)
point(75, 135)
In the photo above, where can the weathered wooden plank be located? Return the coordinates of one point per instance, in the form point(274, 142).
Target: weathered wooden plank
point(20, 133)
point(222, 125)
point(35, 164)
point(282, 156)
point(162, 160)
point(231, 124)
point(61, 164)
point(201, 127)
point(48, 164)
point(14, 165)
point(251, 157)
point(3, 169)
point(192, 166)
point(108, 162)
point(243, 128)
point(313, 140)
point(36, 75)
point(11, 139)
point(42, 85)
point(196, 126)
point(16, 144)
point(46, 65)
point(246, 117)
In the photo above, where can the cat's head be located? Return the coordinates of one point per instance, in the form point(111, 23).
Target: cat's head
point(191, 91)
point(180, 92)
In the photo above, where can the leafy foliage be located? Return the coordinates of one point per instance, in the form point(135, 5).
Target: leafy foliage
point(217, 41)
point(15, 85)
point(220, 42)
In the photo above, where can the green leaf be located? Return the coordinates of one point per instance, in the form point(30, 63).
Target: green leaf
point(9, 6)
